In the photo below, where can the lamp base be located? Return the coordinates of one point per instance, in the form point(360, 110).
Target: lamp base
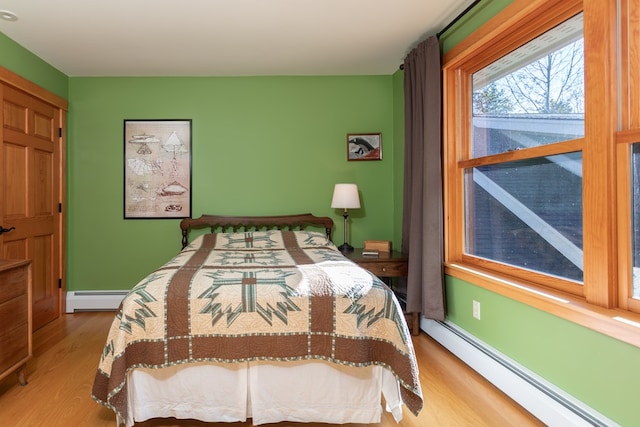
point(345, 247)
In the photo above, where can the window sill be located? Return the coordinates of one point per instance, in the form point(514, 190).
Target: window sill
point(619, 324)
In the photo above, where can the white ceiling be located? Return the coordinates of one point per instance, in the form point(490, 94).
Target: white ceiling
point(225, 37)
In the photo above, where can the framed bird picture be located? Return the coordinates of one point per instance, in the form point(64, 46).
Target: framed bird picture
point(364, 146)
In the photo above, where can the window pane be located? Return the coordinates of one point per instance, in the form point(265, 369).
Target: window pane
point(635, 198)
point(532, 96)
point(528, 214)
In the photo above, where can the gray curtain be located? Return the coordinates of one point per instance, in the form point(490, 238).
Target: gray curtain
point(422, 226)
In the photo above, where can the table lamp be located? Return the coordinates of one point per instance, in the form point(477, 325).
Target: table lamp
point(345, 196)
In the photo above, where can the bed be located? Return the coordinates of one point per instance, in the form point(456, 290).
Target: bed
point(260, 318)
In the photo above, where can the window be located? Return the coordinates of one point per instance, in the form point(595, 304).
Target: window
point(522, 176)
point(629, 224)
point(532, 96)
point(528, 213)
point(635, 215)
point(542, 160)
point(628, 160)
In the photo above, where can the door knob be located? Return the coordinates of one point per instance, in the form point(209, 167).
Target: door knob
point(6, 230)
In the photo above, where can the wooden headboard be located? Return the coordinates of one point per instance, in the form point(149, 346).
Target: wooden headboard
point(242, 223)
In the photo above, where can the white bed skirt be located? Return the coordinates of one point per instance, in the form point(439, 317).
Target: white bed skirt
point(266, 392)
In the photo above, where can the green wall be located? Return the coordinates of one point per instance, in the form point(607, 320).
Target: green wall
point(24, 63)
point(592, 367)
point(261, 145)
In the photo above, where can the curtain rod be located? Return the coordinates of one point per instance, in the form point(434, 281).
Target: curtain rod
point(450, 24)
point(457, 18)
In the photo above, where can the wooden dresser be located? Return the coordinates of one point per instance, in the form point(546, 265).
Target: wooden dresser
point(15, 317)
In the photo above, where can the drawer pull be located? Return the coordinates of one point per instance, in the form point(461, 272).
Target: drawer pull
point(384, 269)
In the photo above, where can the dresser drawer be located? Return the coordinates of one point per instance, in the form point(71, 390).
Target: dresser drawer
point(15, 347)
point(13, 313)
point(385, 269)
point(15, 317)
point(13, 283)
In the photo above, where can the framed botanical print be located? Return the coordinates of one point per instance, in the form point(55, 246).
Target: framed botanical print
point(157, 169)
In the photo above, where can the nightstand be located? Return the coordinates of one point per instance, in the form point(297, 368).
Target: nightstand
point(387, 265)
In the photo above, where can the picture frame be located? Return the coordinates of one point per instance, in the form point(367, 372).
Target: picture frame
point(364, 146)
point(157, 169)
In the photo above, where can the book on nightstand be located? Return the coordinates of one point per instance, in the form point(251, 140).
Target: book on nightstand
point(370, 253)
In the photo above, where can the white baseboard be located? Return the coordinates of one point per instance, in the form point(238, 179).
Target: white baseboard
point(545, 401)
point(94, 300)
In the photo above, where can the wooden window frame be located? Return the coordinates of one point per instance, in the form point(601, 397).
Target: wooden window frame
point(602, 303)
point(628, 135)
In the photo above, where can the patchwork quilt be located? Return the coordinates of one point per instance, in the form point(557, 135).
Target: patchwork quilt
point(261, 295)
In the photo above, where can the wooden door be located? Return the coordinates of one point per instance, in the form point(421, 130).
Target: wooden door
point(30, 195)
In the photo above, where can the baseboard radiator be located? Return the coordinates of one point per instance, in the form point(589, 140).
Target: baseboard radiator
point(94, 300)
point(545, 401)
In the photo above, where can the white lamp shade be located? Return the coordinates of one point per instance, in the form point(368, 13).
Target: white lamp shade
point(345, 196)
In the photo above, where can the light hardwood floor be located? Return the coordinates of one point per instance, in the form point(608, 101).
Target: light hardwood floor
point(66, 353)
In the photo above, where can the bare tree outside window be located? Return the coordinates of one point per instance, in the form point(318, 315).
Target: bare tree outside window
point(553, 84)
